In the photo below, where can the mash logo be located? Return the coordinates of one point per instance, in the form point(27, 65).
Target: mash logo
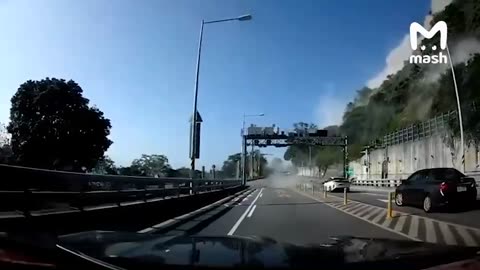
point(439, 58)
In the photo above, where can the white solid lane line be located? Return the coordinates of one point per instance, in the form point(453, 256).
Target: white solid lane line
point(261, 194)
point(382, 200)
point(251, 211)
point(234, 228)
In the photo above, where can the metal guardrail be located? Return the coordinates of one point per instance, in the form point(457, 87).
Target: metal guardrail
point(28, 192)
point(397, 182)
point(358, 182)
point(373, 176)
point(377, 183)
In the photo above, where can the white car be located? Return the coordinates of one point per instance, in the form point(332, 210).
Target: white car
point(336, 184)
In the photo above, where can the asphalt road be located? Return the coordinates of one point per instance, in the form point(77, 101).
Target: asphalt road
point(276, 211)
point(467, 217)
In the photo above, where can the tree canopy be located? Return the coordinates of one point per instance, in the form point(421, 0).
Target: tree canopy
point(5, 146)
point(53, 126)
point(151, 165)
point(229, 168)
point(105, 166)
point(319, 156)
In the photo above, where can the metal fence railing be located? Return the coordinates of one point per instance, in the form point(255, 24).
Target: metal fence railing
point(357, 182)
point(377, 183)
point(418, 131)
point(367, 176)
point(29, 192)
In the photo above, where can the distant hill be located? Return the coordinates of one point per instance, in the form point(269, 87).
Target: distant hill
point(418, 92)
point(413, 94)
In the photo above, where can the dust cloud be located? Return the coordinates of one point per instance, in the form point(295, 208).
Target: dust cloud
point(284, 181)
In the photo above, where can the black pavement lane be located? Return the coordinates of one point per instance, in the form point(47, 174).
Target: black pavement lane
point(223, 224)
point(287, 216)
point(463, 217)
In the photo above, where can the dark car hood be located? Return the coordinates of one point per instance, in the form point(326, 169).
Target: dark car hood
point(128, 249)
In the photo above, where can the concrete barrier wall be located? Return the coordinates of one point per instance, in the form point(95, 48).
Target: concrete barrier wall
point(406, 158)
point(125, 218)
point(333, 171)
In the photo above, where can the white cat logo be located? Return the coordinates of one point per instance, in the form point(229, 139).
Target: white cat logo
point(416, 28)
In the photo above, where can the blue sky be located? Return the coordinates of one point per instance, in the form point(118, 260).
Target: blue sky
point(295, 61)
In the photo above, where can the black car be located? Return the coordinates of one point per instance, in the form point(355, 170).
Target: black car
point(432, 188)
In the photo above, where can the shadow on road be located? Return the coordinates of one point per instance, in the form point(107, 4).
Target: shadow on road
point(460, 208)
point(451, 209)
point(293, 203)
point(200, 222)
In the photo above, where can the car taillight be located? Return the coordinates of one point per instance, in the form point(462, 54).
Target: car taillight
point(17, 258)
point(443, 187)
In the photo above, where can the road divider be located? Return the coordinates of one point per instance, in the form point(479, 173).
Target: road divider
point(389, 205)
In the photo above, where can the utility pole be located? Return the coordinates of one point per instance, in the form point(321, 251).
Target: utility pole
point(259, 164)
point(310, 159)
point(237, 172)
point(460, 122)
point(251, 162)
point(345, 158)
point(244, 162)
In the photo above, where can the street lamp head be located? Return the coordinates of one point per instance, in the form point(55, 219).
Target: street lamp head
point(245, 17)
point(262, 114)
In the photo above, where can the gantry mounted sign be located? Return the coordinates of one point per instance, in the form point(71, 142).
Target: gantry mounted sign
point(263, 137)
point(284, 140)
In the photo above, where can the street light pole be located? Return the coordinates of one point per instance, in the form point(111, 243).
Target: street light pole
point(462, 149)
point(193, 139)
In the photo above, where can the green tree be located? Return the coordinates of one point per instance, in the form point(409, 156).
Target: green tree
point(5, 146)
point(152, 165)
point(229, 168)
point(326, 157)
point(130, 171)
point(180, 172)
point(106, 166)
point(299, 155)
point(53, 126)
point(260, 163)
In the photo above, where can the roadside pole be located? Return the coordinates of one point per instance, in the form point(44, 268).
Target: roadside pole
point(389, 205)
point(244, 162)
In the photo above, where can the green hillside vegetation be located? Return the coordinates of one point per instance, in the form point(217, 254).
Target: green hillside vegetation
point(417, 92)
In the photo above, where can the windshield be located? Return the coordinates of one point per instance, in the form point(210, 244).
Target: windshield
point(293, 121)
point(447, 174)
